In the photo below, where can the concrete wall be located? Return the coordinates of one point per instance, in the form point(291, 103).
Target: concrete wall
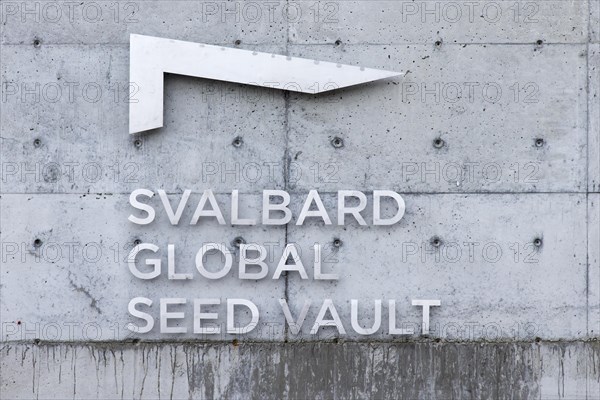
point(513, 196)
point(304, 371)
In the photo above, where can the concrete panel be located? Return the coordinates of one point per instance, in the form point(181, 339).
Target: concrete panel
point(304, 370)
point(103, 22)
point(398, 22)
point(74, 283)
point(490, 134)
point(594, 119)
point(594, 265)
point(77, 111)
point(389, 22)
point(492, 280)
point(595, 21)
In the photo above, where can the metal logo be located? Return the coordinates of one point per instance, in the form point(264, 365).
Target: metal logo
point(152, 57)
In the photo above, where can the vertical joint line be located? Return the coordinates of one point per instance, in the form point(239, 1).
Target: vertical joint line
point(286, 169)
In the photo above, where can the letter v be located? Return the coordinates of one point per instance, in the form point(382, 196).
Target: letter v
point(297, 325)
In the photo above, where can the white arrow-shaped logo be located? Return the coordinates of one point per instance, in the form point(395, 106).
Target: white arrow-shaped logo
point(152, 57)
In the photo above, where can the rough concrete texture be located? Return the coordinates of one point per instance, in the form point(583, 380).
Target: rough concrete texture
point(594, 22)
point(78, 154)
point(385, 22)
point(594, 118)
point(434, 100)
point(567, 370)
point(594, 260)
point(492, 137)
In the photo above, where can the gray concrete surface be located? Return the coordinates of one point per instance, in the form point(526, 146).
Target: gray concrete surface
point(490, 78)
point(566, 370)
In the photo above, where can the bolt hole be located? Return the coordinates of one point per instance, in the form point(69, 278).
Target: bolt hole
point(135, 341)
point(438, 43)
point(539, 142)
point(37, 43)
point(337, 142)
point(338, 42)
point(18, 322)
point(436, 241)
point(36, 341)
point(137, 143)
point(438, 143)
point(337, 242)
point(237, 142)
point(538, 339)
point(235, 343)
point(37, 143)
point(539, 42)
point(37, 242)
point(238, 241)
point(137, 242)
point(537, 242)
point(237, 42)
